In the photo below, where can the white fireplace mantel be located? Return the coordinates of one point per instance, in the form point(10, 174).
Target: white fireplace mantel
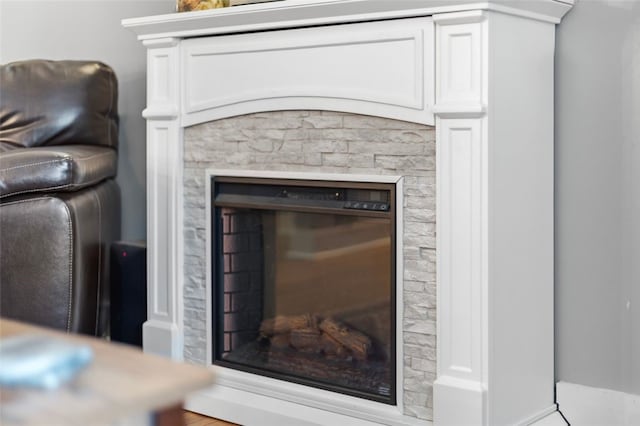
point(305, 13)
point(481, 72)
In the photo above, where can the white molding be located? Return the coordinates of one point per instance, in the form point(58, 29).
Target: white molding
point(520, 229)
point(590, 406)
point(454, 18)
point(308, 103)
point(459, 62)
point(545, 415)
point(163, 68)
point(461, 387)
point(385, 68)
point(552, 419)
point(460, 111)
point(484, 161)
point(277, 390)
point(160, 113)
point(243, 407)
point(163, 333)
point(162, 337)
point(208, 283)
point(304, 13)
point(161, 42)
point(277, 174)
point(461, 227)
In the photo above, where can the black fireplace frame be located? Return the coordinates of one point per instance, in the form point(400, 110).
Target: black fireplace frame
point(217, 270)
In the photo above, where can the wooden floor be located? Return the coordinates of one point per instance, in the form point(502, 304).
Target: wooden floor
point(194, 419)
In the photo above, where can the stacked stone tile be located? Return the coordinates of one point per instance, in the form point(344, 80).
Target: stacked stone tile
point(330, 142)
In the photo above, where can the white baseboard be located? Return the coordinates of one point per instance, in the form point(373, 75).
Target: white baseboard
point(162, 338)
point(588, 406)
point(458, 402)
point(553, 419)
point(546, 417)
point(254, 409)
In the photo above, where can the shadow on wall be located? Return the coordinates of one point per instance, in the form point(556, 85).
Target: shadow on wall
point(598, 195)
point(132, 160)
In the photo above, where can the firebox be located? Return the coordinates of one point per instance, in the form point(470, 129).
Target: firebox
point(304, 282)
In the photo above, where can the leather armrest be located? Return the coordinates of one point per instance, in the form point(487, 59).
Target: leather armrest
point(55, 169)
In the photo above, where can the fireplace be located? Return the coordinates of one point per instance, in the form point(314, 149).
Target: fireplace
point(304, 282)
point(299, 160)
point(360, 91)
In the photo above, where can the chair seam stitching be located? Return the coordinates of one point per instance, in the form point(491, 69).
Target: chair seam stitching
point(49, 188)
point(98, 306)
point(27, 191)
point(57, 160)
point(70, 236)
point(108, 120)
point(10, 203)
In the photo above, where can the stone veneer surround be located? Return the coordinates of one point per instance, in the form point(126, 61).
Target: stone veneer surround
point(329, 142)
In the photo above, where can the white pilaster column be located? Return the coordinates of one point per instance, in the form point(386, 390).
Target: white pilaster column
point(162, 333)
point(461, 156)
point(494, 131)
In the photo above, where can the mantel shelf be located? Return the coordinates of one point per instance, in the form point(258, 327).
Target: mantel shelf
point(305, 13)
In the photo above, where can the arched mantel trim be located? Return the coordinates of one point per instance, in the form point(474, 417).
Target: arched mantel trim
point(378, 68)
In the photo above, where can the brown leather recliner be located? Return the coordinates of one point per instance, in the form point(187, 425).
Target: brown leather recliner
point(59, 203)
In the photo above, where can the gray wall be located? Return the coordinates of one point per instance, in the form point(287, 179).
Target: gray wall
point(597, 163)
point(598, 195)
point(90, 29)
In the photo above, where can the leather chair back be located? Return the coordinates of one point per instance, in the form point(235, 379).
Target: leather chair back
point(46, 103)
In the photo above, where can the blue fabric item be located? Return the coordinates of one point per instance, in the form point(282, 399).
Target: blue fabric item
point(40, 361)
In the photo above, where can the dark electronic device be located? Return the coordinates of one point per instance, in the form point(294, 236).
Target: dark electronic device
point(128, 291)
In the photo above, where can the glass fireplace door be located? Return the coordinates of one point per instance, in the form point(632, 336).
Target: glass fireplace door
point(304, 283)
